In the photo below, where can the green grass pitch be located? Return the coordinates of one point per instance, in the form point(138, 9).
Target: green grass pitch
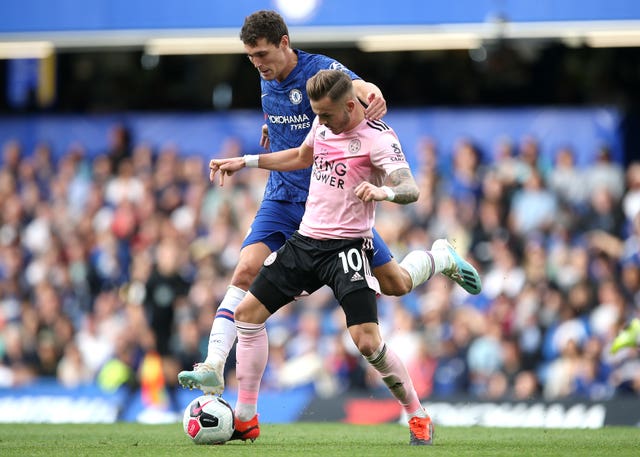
point(313, 439)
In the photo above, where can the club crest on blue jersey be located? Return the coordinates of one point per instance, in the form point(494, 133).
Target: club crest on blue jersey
point(295, 96)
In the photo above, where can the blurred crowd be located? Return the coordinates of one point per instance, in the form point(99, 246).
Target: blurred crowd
point(107, 258)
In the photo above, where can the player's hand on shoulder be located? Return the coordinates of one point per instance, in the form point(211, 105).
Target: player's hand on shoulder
point(377, 107)
point(265, 142)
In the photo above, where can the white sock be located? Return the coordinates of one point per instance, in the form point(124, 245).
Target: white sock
point(223, 329)
point(441, 259)
point(420, 265)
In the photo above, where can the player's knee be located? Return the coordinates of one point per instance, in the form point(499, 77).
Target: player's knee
point(251, 310)
point(244, 274)
point(366, 342)
point(368, 346)
point(244, 313)
point(241, 315)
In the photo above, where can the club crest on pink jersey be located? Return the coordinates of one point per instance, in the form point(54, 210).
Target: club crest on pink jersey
point(269, 260)
point(355, 145)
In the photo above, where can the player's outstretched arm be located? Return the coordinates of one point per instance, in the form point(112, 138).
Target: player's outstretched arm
point(403, 189)
point(285, 160)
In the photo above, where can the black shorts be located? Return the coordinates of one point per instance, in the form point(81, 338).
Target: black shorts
point(304, 264)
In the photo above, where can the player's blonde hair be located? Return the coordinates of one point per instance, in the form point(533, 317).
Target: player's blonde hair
point(334, 84)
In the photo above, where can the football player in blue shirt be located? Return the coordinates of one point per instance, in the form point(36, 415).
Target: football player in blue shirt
point(284, 72)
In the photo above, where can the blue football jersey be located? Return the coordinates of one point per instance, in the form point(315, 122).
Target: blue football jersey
point(288, 115)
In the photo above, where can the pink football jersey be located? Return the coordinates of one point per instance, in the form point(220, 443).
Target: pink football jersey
point(369, 152)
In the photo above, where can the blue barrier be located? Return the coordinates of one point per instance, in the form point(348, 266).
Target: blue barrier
point(46, 401)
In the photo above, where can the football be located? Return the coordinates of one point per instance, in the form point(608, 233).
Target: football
point(208, 419)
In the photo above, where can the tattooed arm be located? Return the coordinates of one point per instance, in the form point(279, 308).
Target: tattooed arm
point(403, 186)
point(402, 189)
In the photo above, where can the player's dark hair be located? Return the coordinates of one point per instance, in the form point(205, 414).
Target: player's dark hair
point(263, 24)
point(334, 84)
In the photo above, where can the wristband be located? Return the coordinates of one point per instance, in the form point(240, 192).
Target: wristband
point(390, 193)
point(251, 160)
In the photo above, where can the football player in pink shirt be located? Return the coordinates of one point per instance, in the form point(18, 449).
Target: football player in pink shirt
point(352, 158)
